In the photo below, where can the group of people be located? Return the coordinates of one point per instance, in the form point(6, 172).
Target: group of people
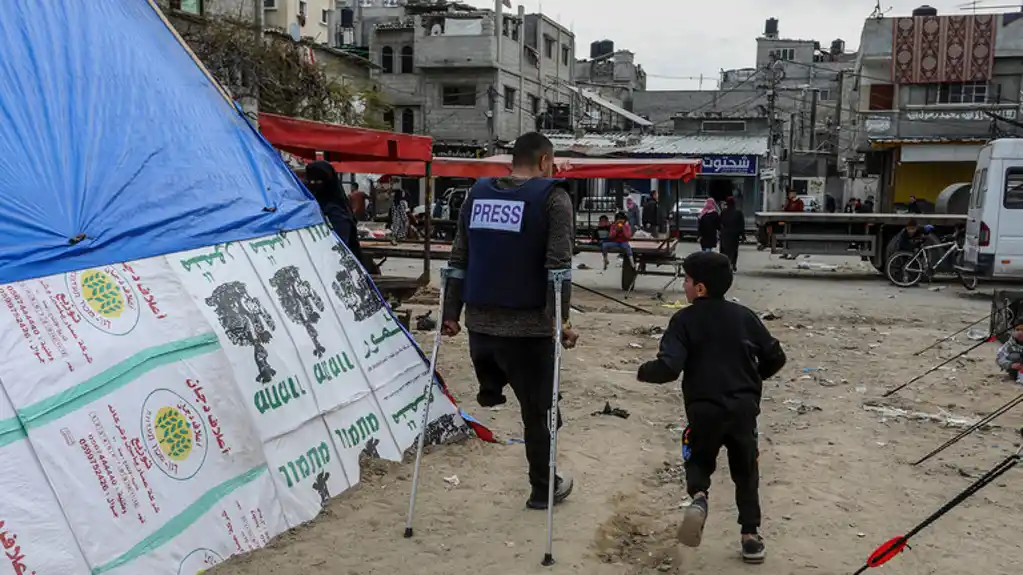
point(502, 274)
point(727, 226)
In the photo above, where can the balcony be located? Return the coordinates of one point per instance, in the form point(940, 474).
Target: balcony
point(456, 51)
point(929, 123)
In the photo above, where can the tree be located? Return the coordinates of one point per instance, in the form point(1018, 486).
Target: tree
point(279, 73)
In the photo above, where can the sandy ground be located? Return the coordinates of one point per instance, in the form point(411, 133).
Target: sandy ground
point(836, 477)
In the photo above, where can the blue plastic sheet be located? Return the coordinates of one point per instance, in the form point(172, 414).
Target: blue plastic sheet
point(115, 146)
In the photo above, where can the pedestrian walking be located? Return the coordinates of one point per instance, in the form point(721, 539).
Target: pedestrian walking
point(723, 353)
point(733, 228)
point(322, 181)
point(512, 233)
point(708, 225)
point(399, 213)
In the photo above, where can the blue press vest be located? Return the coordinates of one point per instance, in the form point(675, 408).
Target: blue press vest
point(507, 232)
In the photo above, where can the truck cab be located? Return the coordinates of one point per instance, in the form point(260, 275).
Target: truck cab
point(994, 228)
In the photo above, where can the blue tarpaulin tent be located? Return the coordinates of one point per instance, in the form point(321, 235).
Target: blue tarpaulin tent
point(115, 145)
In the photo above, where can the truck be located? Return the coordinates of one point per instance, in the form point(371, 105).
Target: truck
point(870, 236)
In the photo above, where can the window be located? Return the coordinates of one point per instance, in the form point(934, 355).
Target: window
point(534, 105)
point(724, 126)
point(783, 54)
point(978, 189)
point(324, 16)
point(973, 93)
point(565, 51)
point(882, 96)
point(548, 46)
point(1013, 198)
point(190, 6)
point(824, 95)
point(509, 98)
point(510, 29)
point(269, 4)
point(391, 3)
point(303, 9)
point(407, 60)
point(460, 95)
point(408, 121)
point(387, 60)
point(389, 119)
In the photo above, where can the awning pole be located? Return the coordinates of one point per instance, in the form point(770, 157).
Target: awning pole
point(428, 228)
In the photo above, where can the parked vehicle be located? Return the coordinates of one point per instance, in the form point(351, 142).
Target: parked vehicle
point(994, 227)
point(810, 204)
point(683, 219)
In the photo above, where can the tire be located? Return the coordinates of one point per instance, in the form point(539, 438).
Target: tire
point(968, 280)
point(896, 272)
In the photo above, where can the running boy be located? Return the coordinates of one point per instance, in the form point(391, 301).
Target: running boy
point(723, 353)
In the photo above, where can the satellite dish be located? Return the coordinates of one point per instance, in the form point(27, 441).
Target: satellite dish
point(435, 30)
point(295, 32)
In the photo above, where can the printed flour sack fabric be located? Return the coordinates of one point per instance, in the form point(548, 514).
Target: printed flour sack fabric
point(131, 408)
point(280, 397)
point(34, 536)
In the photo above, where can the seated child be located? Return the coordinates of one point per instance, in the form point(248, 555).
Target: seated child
point(1010, 355)
point(602, 232)
point(618, 237)
point(723, 353)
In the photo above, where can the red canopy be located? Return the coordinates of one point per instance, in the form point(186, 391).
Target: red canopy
point(495, 166)
point(304, 138)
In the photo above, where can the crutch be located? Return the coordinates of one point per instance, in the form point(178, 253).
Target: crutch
point(428, 394)
point(558, 277)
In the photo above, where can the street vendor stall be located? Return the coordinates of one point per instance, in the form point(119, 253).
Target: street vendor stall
point(649, 253)
point(348, 147)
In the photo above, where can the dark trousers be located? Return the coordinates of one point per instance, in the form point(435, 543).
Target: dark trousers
point(527, 365)
point(730, 248)
point(712, 427)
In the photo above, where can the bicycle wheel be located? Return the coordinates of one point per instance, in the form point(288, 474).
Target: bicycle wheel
point(969, 280)
point(905, 269)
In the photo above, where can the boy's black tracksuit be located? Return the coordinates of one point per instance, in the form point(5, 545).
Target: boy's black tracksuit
point(723, 352)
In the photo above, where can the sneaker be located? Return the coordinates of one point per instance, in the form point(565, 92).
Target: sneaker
point(491, 399)
point(690, 533)
point(753, 550)
point(562, 489)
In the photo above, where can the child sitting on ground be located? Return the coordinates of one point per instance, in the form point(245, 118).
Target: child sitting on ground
point(723, 353)
point(1010, 355)
point(619, 235)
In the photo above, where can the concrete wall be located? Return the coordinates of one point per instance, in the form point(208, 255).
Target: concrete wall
point(462, 124)
point(661, 106)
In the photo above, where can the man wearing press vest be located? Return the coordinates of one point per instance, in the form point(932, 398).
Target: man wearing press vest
point(512, 232)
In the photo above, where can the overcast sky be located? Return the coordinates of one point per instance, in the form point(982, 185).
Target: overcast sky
point(678, 38)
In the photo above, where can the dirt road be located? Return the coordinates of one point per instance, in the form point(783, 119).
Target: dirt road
point(836, 481)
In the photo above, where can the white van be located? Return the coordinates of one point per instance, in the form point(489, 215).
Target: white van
point(994, 229)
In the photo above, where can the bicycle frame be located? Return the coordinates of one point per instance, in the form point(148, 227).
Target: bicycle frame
point(950, 248)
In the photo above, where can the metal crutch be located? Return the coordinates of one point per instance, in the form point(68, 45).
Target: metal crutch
point(558, 277)
point(428, 394)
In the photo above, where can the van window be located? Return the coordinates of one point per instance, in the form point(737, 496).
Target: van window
point(979, 189)
point(1013, 199)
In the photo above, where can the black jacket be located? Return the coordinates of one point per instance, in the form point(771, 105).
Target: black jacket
point(650, 211)
point(733, 224)
point(721, 349)
point(707, 227)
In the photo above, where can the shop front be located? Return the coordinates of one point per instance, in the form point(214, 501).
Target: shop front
point(740, 170)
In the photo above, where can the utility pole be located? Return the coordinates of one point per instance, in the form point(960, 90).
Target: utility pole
point(814, 94)
point(250, 105)
point(773, 158)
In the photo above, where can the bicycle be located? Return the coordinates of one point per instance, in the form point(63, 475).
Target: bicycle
point(906, 269)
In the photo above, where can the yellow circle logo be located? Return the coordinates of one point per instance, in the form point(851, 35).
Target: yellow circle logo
point(173, 433)
point(102, 294)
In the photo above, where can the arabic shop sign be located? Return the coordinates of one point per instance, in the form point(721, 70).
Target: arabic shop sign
point(732, 165)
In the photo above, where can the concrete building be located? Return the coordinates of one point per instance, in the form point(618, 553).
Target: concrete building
point(930, 90)
point(310, 19)
point(795, 80)
point(472, 79)
point(613, 76)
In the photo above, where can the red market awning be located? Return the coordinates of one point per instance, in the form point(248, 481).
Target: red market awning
point(304, 138)
point(441, 168)
point(496, 166)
